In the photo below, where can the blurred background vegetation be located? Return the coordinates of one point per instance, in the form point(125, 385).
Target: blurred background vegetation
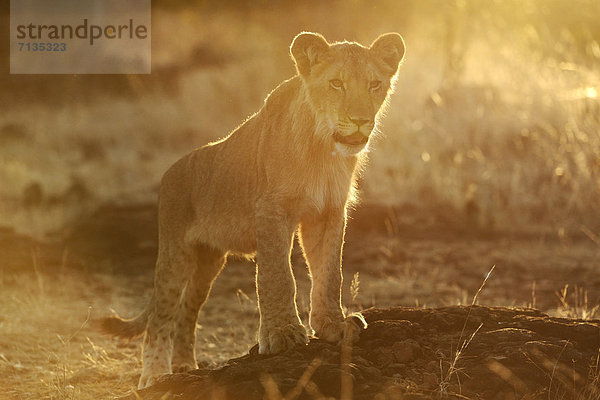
point(495, 123)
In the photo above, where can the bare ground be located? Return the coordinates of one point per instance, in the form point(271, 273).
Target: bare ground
point(457, 351)
point(53, 292)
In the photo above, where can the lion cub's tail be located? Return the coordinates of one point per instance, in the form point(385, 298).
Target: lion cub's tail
point(125, 328)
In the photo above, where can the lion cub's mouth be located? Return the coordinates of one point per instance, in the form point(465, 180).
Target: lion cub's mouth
point(355, 139)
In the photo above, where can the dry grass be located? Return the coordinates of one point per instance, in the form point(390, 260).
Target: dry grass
point(50, 347)
point(48, 350)
point(452, 372)
point(575, 305)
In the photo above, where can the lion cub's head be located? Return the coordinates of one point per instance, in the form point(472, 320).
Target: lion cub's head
point(347, 84)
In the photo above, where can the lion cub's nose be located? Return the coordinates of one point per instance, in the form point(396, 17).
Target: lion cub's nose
point(359, 121)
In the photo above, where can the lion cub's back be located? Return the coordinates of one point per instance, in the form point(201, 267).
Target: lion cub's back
point(213, 189)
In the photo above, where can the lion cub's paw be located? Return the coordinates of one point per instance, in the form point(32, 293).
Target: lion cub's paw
point(347, 330)
point(149, 379)
point(279, 339)
point(184, 367)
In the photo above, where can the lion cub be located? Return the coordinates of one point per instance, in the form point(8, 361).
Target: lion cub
point(287, 170)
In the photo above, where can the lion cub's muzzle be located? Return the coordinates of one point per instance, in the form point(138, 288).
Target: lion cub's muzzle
point(354, 139)
point(355, 133)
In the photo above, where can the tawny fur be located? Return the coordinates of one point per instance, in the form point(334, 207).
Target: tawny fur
point(288, 169)
point(124, 328)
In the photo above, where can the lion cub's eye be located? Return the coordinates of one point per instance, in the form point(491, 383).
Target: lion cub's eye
point(374, 85)
point(336, 83)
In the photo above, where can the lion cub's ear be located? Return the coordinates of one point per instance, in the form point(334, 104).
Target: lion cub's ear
point(390, 48)
point(307, 49)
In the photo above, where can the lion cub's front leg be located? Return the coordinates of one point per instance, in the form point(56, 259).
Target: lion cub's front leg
point(280, 325)
point(322, 238)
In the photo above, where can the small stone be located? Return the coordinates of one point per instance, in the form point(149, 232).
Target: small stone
point(433, 366)
point(372, 372)
point(395, 368)
point(53, 358)
point(430, 380)
point(394, 392)
point(406, 350)
point(416, 396)
point(329, 355)
point(383, 356)
point(361, 361)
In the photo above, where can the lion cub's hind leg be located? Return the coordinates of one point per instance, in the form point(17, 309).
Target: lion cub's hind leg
point(208, 265)
point(170, 278)
point(158, 347)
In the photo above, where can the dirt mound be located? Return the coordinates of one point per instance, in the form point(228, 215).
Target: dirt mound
point(451, 352)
